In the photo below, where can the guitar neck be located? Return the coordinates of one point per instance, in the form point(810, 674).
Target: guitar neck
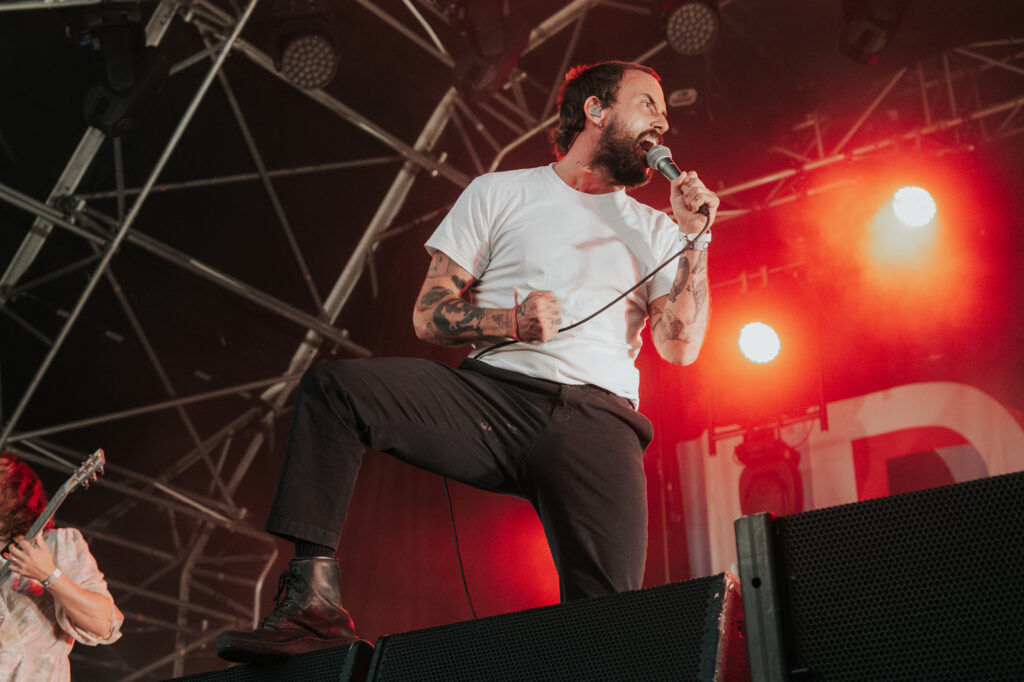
point(40, 522)
point(81, 476)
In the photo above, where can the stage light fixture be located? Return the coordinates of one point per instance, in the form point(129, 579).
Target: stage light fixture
point(870, 25)
point(771, 480)
point(305, 42)
point(134, 73)
point(914, 206)
point(116, 33)
point(690, 25)
point(684, 97)
point(496, 39)
point(759, 342)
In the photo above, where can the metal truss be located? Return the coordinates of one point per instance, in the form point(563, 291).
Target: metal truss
point(190, 597)
point(935, 105)
point(952, 101)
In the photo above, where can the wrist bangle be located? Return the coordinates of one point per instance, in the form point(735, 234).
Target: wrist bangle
point(50, 578)
point(515, 316)
point(697, 241)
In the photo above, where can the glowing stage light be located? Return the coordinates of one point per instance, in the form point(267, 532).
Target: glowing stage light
point(914, 206)
point(905, 230)
point(759, 343)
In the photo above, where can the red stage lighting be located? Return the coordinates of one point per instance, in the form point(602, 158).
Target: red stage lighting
point(758, 373)
point(759, 342)
point(913, 206)
point(904, 229)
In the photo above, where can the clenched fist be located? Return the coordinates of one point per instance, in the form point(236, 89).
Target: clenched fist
point(537, 317)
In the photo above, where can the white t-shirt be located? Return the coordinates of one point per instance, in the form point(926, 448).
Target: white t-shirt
point(526, 230)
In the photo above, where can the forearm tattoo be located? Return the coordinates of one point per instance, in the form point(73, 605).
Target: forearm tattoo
point(454, 316)
point(670, 328)
point(690, 281)
point(681, 280)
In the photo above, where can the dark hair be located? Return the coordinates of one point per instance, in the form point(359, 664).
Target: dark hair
point(600, 80)
point(22, 499)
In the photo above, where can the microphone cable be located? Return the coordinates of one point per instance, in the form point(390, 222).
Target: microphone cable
point(458, 550)
point(704, 211)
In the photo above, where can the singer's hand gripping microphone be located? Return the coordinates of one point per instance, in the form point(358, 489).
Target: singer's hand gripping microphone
point(659, 158)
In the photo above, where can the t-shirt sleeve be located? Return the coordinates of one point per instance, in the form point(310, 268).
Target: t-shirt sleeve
point(667, 240)
point(464, 234)
point(73, 558)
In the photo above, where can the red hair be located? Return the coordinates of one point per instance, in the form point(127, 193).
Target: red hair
point(22, 498)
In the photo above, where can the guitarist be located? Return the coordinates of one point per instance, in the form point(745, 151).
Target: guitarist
point(55, 595)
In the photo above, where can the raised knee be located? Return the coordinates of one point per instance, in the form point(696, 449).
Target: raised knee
point(318, 377)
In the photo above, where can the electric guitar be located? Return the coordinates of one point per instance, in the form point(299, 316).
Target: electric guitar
point(86, 473)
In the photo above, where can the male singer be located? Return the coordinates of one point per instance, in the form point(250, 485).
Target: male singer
point(551, 416)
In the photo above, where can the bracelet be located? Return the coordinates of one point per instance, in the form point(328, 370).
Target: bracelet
point(515, 316)
point(697, 241)
point(50, 578)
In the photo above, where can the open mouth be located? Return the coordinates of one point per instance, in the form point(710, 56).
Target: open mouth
point(648, 141)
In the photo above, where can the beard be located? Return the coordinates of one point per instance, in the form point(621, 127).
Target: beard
point(622, 156)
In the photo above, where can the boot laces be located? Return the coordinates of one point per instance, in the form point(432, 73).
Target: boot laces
point(286, 585)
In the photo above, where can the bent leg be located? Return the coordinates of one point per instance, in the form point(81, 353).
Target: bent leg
point(454, 423)
point(585, 478)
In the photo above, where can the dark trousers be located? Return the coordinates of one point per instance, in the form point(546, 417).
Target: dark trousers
point(575, 452)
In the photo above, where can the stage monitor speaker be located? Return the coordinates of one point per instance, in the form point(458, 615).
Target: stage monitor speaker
point(337, 664)
point(681, 631)
point(920, 586)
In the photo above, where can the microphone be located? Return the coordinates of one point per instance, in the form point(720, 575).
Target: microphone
point(659, 158)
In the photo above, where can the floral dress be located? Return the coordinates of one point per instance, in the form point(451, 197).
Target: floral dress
point(36, 634)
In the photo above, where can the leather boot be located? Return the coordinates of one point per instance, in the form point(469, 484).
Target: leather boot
point(309, 616)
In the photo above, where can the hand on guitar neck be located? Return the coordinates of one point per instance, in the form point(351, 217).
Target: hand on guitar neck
point(30, 558)
point(89, 470)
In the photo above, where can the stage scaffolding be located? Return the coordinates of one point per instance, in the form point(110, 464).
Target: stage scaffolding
point(946, 91)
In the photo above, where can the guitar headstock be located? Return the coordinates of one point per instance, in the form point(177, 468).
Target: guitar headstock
point(90, 470)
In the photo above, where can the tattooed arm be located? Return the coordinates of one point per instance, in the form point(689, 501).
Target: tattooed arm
point(680, 318)
point(444, 317)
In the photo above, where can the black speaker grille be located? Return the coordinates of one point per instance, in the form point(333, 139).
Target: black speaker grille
point(921, 586)
point(663, 633)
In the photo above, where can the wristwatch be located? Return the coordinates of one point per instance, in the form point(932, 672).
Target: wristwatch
point(50, 578)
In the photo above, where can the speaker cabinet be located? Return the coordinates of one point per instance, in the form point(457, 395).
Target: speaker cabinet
point(921, 586)
point(339, 664)
point(682, 631)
